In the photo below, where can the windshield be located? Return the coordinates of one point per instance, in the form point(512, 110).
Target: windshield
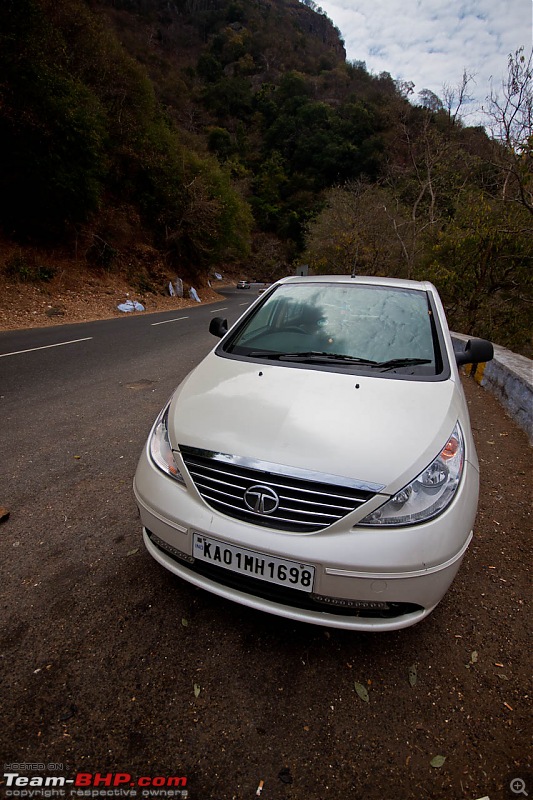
point(370, 326)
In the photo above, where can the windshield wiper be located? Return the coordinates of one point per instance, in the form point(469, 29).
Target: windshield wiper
point(313, 357)
point(402, 362)
point(322, 357)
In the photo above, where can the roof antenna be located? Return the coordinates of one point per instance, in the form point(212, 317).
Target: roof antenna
point(353, 275)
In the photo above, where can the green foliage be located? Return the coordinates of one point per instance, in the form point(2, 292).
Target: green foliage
point(52, 130)
point(229, 97)
point(235, 221)
point(219, 142)
point(20, 268)
point(236, 13)
point(309, 145)
point(482, 263)
point(209, 68)
point(327, 146)
point(211, 222)
point(269, 186)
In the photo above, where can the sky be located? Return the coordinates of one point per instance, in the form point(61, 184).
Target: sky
point(432, 42)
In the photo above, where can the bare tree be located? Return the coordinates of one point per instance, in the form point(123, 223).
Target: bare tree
point(415, 214)
point(456, 97)
point(510, 115)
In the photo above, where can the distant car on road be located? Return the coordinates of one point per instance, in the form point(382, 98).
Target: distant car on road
point(243, 285)
point(319, 463)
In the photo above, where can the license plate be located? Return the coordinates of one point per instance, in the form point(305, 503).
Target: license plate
point(256, 565)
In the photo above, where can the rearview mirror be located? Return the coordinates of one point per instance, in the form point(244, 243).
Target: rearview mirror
point(476, 351)
point(218, 327)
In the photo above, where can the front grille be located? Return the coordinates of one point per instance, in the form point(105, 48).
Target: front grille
point(283, 595)
point(307, 501)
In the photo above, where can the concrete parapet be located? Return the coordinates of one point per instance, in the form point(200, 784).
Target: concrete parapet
point(509, 377)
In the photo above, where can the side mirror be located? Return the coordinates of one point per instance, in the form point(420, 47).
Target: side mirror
point(218, 327)
point(476, 351)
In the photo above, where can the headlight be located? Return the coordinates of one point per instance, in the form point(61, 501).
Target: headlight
point(429, 493)
point(160, 447)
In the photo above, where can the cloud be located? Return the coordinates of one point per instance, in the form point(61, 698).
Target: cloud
point(431, 42)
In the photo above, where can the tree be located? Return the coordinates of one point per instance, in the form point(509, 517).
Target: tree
point(52, 130)
point(456, 97)
point(510, 116)
point(482, 263)
point(355, 233)
point(430, 100)
point(418, 181)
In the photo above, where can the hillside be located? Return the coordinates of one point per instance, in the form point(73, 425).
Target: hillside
point(140, 139)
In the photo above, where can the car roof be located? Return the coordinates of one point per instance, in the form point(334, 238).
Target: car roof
point(396, 283)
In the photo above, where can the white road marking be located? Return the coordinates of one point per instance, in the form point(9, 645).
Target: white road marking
point(45, 347)
point(176, 319)
point(216, 310)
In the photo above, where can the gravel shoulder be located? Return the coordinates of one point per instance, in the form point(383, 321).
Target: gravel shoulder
point(39, 305)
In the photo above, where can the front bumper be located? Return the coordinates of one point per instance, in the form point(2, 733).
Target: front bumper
point(394, 576)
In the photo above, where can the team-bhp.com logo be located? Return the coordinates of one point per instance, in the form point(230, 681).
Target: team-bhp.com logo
point(96, 785)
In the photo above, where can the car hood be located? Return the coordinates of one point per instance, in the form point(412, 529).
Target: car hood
point(373, 429)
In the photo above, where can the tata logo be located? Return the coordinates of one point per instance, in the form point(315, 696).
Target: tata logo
point(261, 499)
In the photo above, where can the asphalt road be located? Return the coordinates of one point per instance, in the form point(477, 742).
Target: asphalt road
point(109, 664)
point(166, 344)
point(90, 391)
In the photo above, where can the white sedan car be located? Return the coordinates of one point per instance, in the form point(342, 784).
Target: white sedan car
point(319, 464)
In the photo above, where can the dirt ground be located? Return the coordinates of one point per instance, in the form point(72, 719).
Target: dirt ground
point(39, 305)
point(112, 665)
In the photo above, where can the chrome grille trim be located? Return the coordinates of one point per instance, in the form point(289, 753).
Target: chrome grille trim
point(280, 469)
point(308, 501)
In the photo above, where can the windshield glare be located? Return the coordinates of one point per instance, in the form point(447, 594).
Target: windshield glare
point(367, 322)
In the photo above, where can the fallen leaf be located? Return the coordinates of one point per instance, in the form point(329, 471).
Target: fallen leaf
point(438, 761)
point(362, 692)
point(413, 677)
point(132, 552)
point(473, 657)
point(184, 622)
point(197, 689)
